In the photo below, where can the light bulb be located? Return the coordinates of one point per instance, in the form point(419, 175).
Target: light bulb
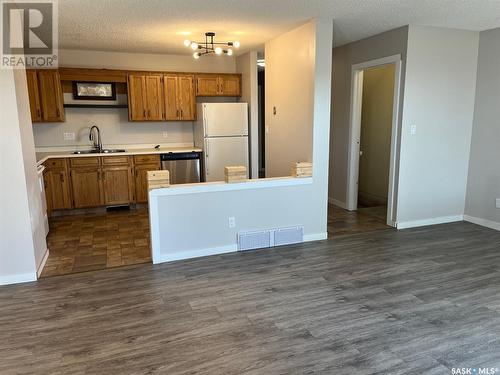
point(236, 44)
point(218, 50)
point(196, 55)
point(194, 46)
point(187, 43)
point(229, 52)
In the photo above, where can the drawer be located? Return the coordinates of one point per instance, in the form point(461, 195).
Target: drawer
point(55, 163)
point(113, 160)
point(146, 159)
point(85, 162)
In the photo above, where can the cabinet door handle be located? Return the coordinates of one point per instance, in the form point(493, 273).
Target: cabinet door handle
point(39, 113)
point(144, 113)
point(149, 113)
point(182, 114)
point(62, 176)
point(177, 113)
point(58, 112)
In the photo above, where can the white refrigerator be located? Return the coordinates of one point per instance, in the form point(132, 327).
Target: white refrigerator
point(222, 132)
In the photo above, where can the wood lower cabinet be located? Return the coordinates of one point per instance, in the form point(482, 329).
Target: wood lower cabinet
point(218, 85)
point(57, 185)
point(117, 183)
point(87, 187)
point(84, 182)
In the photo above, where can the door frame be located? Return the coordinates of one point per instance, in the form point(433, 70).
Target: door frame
point(355, 134)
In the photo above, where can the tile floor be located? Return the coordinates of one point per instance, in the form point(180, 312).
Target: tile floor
point(88, 242)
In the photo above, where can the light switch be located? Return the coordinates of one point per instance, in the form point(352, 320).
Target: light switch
point(232, 221)
point(497, 203)
point(165, 134)
point(413, 129)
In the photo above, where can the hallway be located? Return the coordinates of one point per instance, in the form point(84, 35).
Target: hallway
point(366, 219)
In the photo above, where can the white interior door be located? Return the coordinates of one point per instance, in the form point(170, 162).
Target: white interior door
point(225, 119)
point(223, 152)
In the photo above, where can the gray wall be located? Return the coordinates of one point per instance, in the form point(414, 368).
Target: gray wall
point(483, 185)
point(386, 44)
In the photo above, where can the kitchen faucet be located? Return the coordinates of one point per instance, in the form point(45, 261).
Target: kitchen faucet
point(98, 141)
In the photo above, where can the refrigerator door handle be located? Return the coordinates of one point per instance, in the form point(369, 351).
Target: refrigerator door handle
point(206, 156)
point(205, 120)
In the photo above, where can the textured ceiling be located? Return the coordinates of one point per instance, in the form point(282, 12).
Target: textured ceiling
point(160, 26)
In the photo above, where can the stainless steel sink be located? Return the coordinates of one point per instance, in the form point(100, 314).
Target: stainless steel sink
point(104, 151)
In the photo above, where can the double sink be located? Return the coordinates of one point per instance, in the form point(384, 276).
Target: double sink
point(97, 151)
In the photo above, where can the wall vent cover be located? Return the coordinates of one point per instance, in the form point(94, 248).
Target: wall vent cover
point(270, 238)
point(288, 236)
point(254, 240)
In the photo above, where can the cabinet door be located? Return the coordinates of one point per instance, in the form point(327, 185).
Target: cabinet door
point(117, 185)
point(229, 85)
point(186, 97)
point(141, 181)
point(136, 98)
point(57, 189)
point(171, 101)
point(34, 96)
point(207, 85)
point(51, 96)
point(154, 98)
point(87, 187)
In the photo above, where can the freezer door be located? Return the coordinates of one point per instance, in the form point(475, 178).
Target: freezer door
point(223, 152)
point(225, 119)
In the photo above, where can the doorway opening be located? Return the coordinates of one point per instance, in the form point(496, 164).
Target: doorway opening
point(371, 185)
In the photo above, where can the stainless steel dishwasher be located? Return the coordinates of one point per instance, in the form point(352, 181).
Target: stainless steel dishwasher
point(184, 167)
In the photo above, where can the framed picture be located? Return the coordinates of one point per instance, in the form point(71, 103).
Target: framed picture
point(94, 90)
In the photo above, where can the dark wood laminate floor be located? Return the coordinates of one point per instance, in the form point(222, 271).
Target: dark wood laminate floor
point(418, 301)
point(365, 219)
point(99, 240)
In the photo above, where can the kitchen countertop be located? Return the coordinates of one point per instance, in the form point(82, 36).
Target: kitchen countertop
point(41, 157)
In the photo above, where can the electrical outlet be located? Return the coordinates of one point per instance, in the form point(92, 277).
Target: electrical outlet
point(497, 203)
point(69, 136)
point(165, 134)
point(413, 129)
point(232, 221)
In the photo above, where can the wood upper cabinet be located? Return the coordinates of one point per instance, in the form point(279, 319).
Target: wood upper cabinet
point(45, 95)
point(207, 85)
point(230, 84)
point(180, 98)
point(87, 187)
point(51, 96)
point(136, 98)
point(145, 97)
point(218, 85)
point(34, 95)
point(154, 97)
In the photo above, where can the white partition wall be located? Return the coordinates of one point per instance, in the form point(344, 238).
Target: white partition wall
point(193, 220)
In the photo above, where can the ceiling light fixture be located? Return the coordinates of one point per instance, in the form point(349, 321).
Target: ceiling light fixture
point(210, 46)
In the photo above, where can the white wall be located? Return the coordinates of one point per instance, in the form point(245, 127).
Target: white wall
point(390, 43)
point(289, 88)
point(193, 221)
point(114, 124)
point(18, 182)
point(246, 64)
point(439, 100)
point(483, 186)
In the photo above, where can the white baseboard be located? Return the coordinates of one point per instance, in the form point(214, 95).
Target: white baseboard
point(222, 250)
point(196, 253)
point(42, 264)
point(337, 203)
point(315, 237)
point(16, 279)
point(432, 221)
point(483, 222)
